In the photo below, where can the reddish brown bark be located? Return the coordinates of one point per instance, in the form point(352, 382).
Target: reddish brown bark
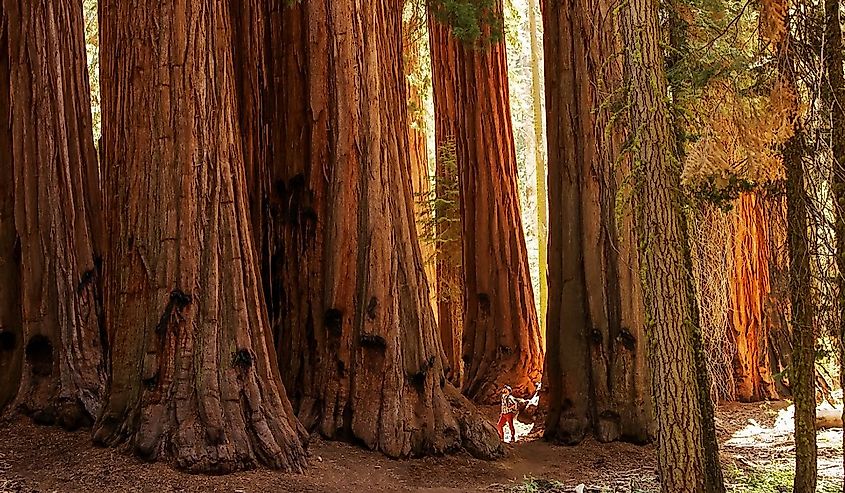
point(357, 339)
point(749, 286)
point(248, 45)
point(194, 375)
point(11, 347)
point(57, 207)
point(596, 365)
point(501, 341)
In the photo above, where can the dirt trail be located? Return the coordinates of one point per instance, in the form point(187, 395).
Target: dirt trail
point(34, 458)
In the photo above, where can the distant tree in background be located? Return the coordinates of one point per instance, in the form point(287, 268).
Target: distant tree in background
point(501, 336)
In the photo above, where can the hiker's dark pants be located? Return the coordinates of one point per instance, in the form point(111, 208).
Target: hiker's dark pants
point(506, 418)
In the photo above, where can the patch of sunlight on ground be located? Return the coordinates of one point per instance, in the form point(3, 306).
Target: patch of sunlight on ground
point(763, 447)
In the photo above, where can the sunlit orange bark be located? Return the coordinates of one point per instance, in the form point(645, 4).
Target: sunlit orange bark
point(749, 287)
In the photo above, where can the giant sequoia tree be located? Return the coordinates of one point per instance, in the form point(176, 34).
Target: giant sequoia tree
point(687, 450)
point(55, 240)
point(356, 335)
point(596, 365)
point(749, 286)
point(194, 376)
point(501, 337)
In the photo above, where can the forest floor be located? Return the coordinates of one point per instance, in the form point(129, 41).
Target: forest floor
point(757, 455)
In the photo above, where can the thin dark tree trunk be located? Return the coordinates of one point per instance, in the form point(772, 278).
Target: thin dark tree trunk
point(194, 375)
point(686, 461)
point(802, 375)
point(501, 336)
point(357, 339)
point(836, 99)
point(57, 214)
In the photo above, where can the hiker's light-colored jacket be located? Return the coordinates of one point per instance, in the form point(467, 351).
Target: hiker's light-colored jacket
point(509, 404)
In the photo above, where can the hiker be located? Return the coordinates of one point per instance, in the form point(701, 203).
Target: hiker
point(509, 408)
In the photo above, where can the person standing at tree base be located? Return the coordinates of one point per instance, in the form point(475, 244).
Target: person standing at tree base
point(509, 408)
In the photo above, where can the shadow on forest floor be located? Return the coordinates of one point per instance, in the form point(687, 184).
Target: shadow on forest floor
point(756, 453)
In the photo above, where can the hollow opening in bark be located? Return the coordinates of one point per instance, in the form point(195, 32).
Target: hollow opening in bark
point(8, 340)
point(39, 356)
point(334, 321)
point(242, 358)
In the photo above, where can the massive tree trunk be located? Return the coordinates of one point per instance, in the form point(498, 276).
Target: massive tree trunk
point(687, 452)
point(57, 214)
point(597, 363)
point(194, 375)
point(749, 288)
point(836, 99)
point(11, 335)
point(357, 339)
point(501, 337)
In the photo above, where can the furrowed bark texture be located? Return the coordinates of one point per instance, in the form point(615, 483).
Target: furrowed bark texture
point(802, 375)
point(57, 213)
point(803, 371)
point(501, 336)
point(684, 464)
point(597, 361)
point(11, 329)
point(357, 339)
point(447, 213)
point(248, 45)
point(749, 287)
point(194, 375)
point(836, 99)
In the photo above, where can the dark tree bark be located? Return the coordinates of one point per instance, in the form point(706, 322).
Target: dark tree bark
point(749, 287)
point(248, 45)
point(802, 374)
point(194, 375)
point(501, 338)
point(803, 371)
point(836, 99)
point(357, 340)
point(597, 363)
point(11, 330)
point(687, 452)
point(57, 214)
